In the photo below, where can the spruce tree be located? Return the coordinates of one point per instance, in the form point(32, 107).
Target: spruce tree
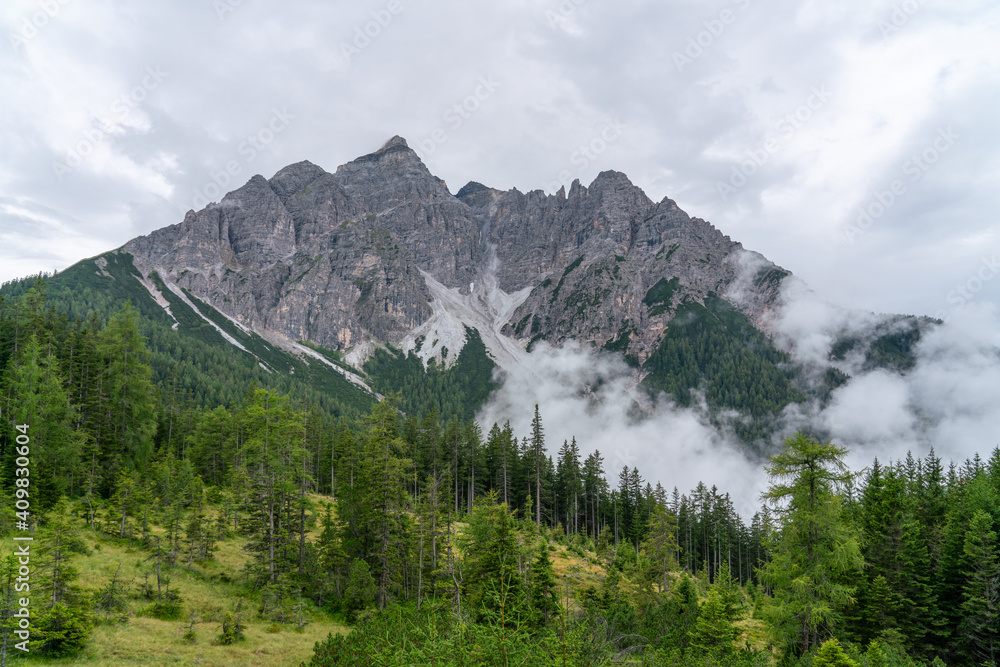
point(543, 585)
point(980, 625)
point(129, 399)
point(37, 401)
point(537, 462)
point(831, 654)
point(713, 631)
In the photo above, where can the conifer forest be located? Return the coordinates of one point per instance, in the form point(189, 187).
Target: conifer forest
point(370, 534)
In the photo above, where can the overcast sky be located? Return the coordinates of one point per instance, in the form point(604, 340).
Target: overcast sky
point(779, 122)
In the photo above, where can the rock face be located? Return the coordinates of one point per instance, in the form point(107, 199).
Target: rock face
point(338, 258)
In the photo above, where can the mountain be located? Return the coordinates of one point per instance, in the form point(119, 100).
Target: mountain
point(359, 257)
point(377, 277)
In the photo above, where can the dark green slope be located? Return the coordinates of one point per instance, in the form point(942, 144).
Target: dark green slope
point(714, 348)
point(458, 391)
point(190, 356)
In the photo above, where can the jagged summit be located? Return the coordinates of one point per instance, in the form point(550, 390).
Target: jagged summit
point(371, 253)
point(476, 195)
point(396, 142)
point(294, 178)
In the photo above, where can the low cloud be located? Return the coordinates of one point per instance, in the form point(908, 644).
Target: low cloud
point(594, 397)
point(949, 400)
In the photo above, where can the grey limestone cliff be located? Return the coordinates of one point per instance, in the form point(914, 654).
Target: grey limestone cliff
point(337, 258)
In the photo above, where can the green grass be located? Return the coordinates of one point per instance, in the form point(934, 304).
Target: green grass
point(209, 589)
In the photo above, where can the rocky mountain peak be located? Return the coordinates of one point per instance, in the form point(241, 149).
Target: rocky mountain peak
point(476, 195)
point(396, 142)
point(294, 178)
point(379, 249)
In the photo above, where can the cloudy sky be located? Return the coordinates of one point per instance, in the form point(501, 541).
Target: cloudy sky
point(854, 143)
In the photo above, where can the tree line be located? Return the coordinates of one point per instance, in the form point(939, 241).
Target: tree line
point(422, 524)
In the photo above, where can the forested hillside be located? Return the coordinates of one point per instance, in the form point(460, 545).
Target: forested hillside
point(442, 541)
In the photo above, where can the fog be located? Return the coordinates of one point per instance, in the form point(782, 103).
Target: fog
point(593, 396)
point(949, 400)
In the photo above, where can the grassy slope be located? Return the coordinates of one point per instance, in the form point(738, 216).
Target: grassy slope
point(209, 589)
point(212, 588)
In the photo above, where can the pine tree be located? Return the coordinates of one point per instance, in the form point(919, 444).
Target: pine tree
point(660, 546)
point(537, 462)
point(270, 480)
point(831, 654)
point(372, 510)
point(360, 590)
point(491, 563)
point(713, 631)
point(542, 585)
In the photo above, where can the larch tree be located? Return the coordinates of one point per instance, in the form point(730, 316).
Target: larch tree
point(817, 556)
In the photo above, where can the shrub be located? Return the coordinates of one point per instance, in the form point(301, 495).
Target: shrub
point(231, 630)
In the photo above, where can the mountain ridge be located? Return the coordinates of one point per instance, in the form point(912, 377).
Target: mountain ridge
point(340, 258)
